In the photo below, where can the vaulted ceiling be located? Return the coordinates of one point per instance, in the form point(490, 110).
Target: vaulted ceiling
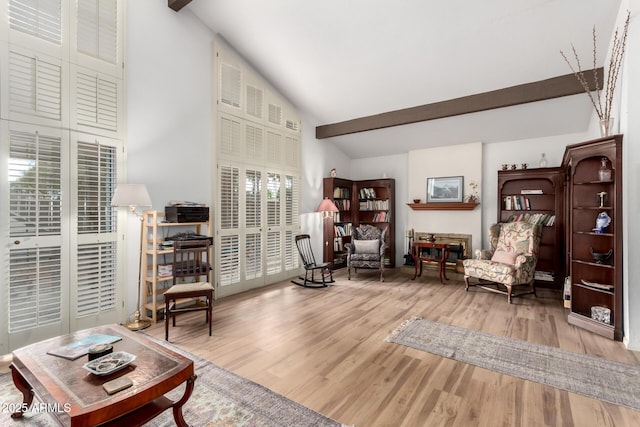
point(338, 60)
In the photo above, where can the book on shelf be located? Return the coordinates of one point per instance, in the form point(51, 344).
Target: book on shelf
point(367, 193)
point(340, 193)
point(546, 220)
point(537, 191)
point(341, 230)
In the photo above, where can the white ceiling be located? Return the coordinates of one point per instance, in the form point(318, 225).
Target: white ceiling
point(338, 60)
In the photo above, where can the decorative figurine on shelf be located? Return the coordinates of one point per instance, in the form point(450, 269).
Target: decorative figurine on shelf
point(602, 195)
point(333, 173)
point(601, 257)
point(604, 173)
point(602, 222)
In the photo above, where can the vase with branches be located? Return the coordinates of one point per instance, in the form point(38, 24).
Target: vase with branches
point(602, 103)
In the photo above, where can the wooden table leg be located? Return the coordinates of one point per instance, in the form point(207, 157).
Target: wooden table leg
point(177, 407)
point(25, 388)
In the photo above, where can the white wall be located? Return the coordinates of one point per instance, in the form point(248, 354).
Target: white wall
point(459, 160)
point(168, 69)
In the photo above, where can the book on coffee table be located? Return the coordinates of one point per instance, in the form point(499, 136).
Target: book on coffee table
point(79, 348)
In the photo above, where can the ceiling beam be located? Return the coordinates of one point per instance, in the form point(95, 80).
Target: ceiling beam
point(178, 4)
point(555, 87)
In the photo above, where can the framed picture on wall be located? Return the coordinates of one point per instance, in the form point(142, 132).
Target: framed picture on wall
point(445, 189)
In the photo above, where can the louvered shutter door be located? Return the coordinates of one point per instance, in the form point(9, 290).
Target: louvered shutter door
point(292, 153)
point(292, 220)
point(96, 183)
point(35, 291)
point(39, 18)
point(254, 144)
point(35, 86)
point(230, 85)
point(230, 137)
point(274, 248)
point(97, 100)
point(97, 23)
point(35, 184)
point(255, 99)
point(253, 221)
point(96, 278)
point(229, 253)
point(275, 114)
point(253, 256)
point(291, 259)
point(274, 148)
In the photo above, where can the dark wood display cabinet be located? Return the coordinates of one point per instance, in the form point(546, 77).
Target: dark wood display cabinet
point(359, 202)
point(594, 190)
point(537, 196)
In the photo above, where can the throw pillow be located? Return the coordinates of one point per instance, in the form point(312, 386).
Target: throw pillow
point(505, 257)
point(367, 246)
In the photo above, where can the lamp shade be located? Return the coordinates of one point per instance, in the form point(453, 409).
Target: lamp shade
point(131, 195)
point(327, 205)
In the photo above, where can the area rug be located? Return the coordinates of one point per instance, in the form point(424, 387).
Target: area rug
point(589, 376)
point(220, 398)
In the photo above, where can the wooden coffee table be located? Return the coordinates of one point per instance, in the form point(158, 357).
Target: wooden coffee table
point(63, 384)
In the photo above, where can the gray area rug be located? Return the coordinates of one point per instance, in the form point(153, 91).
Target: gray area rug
point(220, 398)
point(589, 376)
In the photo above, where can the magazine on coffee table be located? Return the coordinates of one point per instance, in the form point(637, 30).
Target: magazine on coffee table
point(79, 348)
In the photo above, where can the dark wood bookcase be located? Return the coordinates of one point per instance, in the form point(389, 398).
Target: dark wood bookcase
point(359, 202)
point(595, 283)
point(537, 196)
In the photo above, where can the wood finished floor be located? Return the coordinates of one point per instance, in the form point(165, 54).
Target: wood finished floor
point(325, 349)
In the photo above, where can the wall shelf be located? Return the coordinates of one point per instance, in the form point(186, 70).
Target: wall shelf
point(451, 206)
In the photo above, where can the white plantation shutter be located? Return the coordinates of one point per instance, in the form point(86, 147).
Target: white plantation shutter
point(292, 153)
point(230, 84)
point(35, 86)
point(292, 125)
point(230, 137)
point(40, 18)
point(274, 148)
point(229, 260)
point(96, 183)
point(254, 144)
point(291, 258)
point(273, 199)
point(274, 253)
point(255, 97)
point(275, 114)
point(97, 22)
point(253, 256)
point(34, 288)
point(253, 199)
point(292, 200)
point(229, 181)
point(97, 100)
point(34, 184)
point(96, 276)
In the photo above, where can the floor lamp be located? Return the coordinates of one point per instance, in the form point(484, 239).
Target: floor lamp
point(134, 195)
point(328, 208)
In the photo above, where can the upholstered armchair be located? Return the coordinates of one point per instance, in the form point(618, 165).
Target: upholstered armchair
point(509, 263)
point(366, 249)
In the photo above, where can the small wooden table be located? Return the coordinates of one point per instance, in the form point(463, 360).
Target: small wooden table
point(64, 384)
point(443, 252)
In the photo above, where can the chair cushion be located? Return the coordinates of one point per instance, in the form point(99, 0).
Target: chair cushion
point(490, 270)
point(505, 257)
point(189, 287)
point(367, 246)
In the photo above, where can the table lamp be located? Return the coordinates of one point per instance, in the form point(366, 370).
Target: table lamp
point(134, 195)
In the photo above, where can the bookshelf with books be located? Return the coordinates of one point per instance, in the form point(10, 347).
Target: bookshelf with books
point(359, 202)
point(337, 229)
point(376, 202)
point(537, 196)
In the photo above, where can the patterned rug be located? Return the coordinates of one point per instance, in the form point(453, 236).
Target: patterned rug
point(589, 376)
point(220, 398)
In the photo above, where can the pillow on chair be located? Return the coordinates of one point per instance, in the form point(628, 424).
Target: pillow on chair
point(367, 246)
point(505, 257)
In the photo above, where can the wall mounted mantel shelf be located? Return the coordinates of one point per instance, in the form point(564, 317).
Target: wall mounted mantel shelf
point(452, 206)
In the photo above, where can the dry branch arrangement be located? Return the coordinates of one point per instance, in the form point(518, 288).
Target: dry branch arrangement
point(613, 71)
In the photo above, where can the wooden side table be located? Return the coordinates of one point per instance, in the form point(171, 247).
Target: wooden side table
point(442, 254)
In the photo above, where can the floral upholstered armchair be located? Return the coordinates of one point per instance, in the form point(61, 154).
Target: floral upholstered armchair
point(366, 249)
point(511, 261)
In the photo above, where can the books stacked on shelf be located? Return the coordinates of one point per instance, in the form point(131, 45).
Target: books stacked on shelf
point(601, 286)
point(544, 276)
point(340, 230)
point(382, 216)
point(338, 246)
point(531, 192)
point(343, 204)
point(517, 203)
point(367, 193)
point(374, 205)
point(341, 193)
point(538, 218)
